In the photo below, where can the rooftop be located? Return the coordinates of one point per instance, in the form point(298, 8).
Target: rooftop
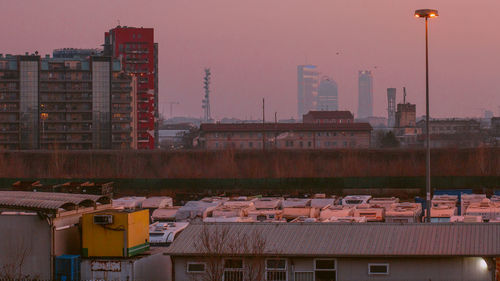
point(273, 127)
point(337, 114)
point(354, 240)
point(50, 202)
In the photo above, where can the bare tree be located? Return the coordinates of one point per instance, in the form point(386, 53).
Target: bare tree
point(219, 244)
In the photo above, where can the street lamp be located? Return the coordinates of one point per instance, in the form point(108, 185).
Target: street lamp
point(427, 14)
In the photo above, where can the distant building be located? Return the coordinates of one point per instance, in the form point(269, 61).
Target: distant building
point(391, 107)
point(360, 251)
point(406, 115)
point(327, 94)
point(452, 133)
point(139, 55)
point(71, 53)
point(365, 94)
point(65, 103)
point(375, 121)
point(324, 117)
point(307, 88)
point(285, 136)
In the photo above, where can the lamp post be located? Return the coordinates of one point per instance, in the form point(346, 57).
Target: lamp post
point(427, 14)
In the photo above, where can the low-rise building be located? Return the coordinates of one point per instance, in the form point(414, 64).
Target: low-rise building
point(333, 251)
point(325, 117)
point(285, 136)
point(36, 227)
point(452, 133)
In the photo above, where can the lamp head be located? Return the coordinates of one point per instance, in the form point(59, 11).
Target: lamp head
point(426, 13)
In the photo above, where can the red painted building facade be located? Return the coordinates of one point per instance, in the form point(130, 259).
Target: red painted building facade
point(139, 56)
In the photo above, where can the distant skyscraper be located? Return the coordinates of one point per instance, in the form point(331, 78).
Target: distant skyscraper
point(391, 107)
point(327, 94)
point(307, 90)
point(365, 94)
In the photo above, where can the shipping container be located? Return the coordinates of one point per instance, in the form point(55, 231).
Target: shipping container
point(115, 233)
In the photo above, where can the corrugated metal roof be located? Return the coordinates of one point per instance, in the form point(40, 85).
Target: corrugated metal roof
point(371, 239)
point(51, 201)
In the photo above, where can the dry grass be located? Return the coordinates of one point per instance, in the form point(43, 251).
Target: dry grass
point(247, 164)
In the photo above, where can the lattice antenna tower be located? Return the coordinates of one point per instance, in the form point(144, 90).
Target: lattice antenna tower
point(206, 99)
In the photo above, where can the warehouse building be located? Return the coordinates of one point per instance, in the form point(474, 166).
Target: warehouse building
point(39, 226)
point(325, 251)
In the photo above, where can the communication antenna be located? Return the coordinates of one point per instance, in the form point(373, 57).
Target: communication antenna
point(206, 100)
point(404, 95)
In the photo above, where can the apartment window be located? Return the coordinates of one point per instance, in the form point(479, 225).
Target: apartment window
point(216, 145)
point(325, 269)
point(233, 270)
point(345, 144)
point(309, 144)
point(378, 268)
point(196, 267)
point(301, 144)
point(334, 134)
point(319, 134)
point(250, 144)
point(352, 134)
point(304, 276)
point(276, 270)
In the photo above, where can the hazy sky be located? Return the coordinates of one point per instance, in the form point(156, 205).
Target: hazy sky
point(254, 46)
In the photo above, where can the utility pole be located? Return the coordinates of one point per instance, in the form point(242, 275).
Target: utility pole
point(263, 124)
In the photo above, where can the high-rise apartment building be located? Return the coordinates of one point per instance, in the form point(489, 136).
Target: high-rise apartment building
point(139, 55)
point(327, 95)
point(307, 88)
point(365, 94)
point(65, 103)
point(391, 107)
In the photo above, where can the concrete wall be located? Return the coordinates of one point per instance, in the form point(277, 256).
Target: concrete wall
point(408, 269)
point(25, 237)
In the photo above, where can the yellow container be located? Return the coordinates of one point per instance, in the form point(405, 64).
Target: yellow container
point(115, 233)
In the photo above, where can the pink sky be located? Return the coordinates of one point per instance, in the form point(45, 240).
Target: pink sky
point(254, 46)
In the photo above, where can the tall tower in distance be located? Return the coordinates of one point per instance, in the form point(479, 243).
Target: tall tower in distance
point(139, 57)
point(365, 94)
point(307, 88)
point(327, 94)
point(206, 100)
point(391, 107)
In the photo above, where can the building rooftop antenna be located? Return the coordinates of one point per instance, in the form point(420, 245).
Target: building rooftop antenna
point(404, 95)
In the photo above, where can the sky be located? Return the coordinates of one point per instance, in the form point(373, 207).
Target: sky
point(253, 48)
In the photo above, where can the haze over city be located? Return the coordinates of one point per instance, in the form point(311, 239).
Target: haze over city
point(253, 48)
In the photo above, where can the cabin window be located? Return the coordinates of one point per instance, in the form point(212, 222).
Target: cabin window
point(233, 270)
point(276, 270)
point(325, 269)
point(196, 267)
point(378, 268)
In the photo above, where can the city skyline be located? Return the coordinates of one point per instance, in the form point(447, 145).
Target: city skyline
point(262, 48)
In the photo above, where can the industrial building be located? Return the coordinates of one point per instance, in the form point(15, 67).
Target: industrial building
point(79, 102)
point(333, 251)
point(138, 52)
point(325, 117)
point(285, 136)
point(365, 94)
point(36, 227)
point(307, 88)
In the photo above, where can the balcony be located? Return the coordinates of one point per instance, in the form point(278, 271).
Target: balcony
point(121, 120)
point(136, 51)
point(121, 99)
point(125, 89)
point(121, 109)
